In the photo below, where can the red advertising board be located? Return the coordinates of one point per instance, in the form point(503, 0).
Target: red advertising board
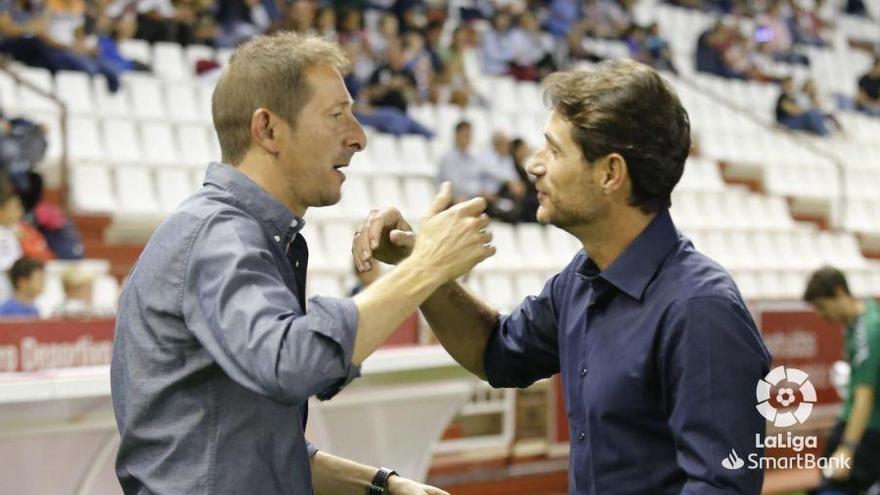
point(31, 345)
point(799, 338)
point(45, 344)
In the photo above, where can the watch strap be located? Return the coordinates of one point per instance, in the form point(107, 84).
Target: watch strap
point(379, 484)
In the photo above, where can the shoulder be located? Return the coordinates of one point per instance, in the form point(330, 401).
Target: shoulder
point(689, 277)
point(209, 218)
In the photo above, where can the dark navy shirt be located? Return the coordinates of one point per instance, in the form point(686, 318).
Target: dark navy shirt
point(215, 355)
point(659, 359)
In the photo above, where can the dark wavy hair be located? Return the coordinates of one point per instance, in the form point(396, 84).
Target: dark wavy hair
point(625, 107)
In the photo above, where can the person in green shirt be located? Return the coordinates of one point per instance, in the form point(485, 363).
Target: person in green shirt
point(857, 434)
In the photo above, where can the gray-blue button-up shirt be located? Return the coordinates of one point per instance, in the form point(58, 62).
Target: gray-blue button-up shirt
point(215, 356)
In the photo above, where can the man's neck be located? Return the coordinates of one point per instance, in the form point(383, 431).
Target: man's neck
point(270, 177)
point(859, 308)
point(606, 239)
point(24, 298)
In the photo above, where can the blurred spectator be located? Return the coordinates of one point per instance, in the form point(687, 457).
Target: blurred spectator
point(10, 215)
point(26, 276)
point(574, 47)
point(868, 98)
point(78, 285)
point(795, 116)
point(386, 119)
point(109, 29)
point(496, 47)
point(240, 20)
point(606, 19)
point(660, 55)
point(351, 28)
point(22, 145)
point(411, 14)
point(452, 83)
point(463, 168)
point(528, 204)
point(52, 36)
point(648, 47)
point(562, 17)
point(774, 30)
point(502, 186)
point(809, 28)
point(417, 60)
point(815, 101)
point(708, 56)
point(724, 51)
point(163, 20)
point(532, 50)
point(433, 37)
point(392, 84)
point(17, 237)
point(388, 32)
point(325, 23)
point(298, 16)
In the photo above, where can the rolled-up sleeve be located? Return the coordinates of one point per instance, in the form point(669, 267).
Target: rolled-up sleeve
point(710, 361)
point(524, 347)
point(238, 306)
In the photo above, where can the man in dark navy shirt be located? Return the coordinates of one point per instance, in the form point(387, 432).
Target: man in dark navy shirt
point(658, 353)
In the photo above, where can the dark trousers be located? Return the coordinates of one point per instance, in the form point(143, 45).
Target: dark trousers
point(34, 52)
point(865, 468)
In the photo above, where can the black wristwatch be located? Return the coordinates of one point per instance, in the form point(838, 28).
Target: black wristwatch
point(380, 481)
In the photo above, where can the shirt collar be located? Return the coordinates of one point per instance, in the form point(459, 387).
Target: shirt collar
point(282, 223)
point(635, 267)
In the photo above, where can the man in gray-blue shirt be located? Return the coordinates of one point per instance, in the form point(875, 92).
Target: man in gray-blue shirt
point(216, 353)
point(658, 353)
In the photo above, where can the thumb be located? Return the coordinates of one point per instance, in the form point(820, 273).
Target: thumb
point(442, 200)
point(402, 238)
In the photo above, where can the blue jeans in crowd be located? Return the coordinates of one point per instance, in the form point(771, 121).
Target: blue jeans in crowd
point(392, 121)
point(810, 121)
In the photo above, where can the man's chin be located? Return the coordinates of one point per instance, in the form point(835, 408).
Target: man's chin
point(331, 200)
point(543, 216)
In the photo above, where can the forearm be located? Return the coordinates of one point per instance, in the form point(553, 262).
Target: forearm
point(333, 475)
point(386, 303)
point(462, 324)
point(860, 416)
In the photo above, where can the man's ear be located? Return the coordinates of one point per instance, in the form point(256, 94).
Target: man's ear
point(264, 130)
point(614, 173)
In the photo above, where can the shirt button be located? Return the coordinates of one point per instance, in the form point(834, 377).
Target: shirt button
point(581, 436)
point(296, 264)
point(583, 372)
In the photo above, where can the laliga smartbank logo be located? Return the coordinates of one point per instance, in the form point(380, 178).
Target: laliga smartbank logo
point(785, 398)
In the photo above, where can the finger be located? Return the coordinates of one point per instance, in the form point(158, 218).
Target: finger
point(402, 238)
point(361, 248)
point(485, 238)
point(442, 200)
point(358, 264)
point(435, 491)
point(376, 224)
point(488, 252)
point(483, 221)
point(471, 207)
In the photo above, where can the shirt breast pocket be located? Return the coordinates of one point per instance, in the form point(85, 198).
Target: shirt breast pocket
point(619, 385)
